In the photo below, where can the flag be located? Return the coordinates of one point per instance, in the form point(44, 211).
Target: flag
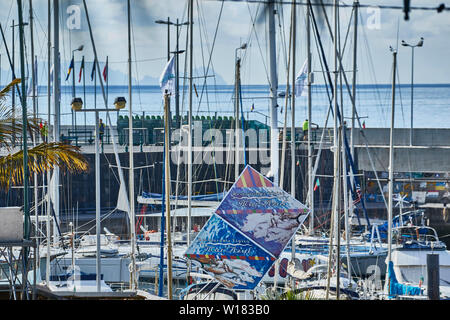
point(166, 80)
point(70, 69)
point(358, 194)
point(93, 71)
point(253, 107)
point(105, 70)
point(317, 184)
point(51, 75)
point(300, 81)
point(81, 70)
point(364, 125)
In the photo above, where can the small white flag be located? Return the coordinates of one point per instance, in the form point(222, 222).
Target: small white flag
point(51, 75)
point(300, 81)
point(167, 79)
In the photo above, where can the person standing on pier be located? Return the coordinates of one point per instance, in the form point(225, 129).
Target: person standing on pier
point(305, 128)
point(101, 131)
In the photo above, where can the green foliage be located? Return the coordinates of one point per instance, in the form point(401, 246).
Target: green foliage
point(272, 294)
point(41, 158)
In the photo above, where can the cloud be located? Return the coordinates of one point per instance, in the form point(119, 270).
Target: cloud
point(109, 22)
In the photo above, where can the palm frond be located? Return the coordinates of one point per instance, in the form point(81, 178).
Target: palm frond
point(4, 92)
point(41, 158)
point(11, 125)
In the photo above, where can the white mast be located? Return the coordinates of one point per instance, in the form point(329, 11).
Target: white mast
point(49, 93)
point(191, 83)
point(294, 39)
point(33, 76)
point(236, 114)
point(167, 191)
point(309, 83)
point(355, 51)
point(131, 174)
point(391, 162)
point(336, 191)
point(274, 156)
point(56, 101)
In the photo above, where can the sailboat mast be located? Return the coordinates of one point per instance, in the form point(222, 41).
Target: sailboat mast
point(33, 75)
point(287, 96)
point(294, 47)
point(336, 178)
point(26, 204)
point(131, 174)
point(309, 83)
point(355, 51)
point(191, 57)
point(56, 102)
point(274, 156)
point(391, 159)
point(167, 192)
point(49, 93)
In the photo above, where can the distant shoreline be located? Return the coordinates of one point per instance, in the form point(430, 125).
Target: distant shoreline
point(419, 85)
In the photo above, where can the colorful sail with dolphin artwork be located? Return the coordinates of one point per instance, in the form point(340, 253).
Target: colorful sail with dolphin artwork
point(262, 211)
point(249, 230)
point(229, 256)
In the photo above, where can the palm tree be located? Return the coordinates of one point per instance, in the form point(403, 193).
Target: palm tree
point(42, 157)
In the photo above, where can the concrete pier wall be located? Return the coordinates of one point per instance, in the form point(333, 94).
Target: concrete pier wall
point(429, 152)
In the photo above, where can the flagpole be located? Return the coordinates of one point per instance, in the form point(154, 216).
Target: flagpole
point(73, 85)
point(95, 87)
point(84, 93)
point(105, 74)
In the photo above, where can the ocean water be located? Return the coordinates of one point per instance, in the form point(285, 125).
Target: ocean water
point(431, 104)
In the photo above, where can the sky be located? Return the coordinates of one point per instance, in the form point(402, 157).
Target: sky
point(378, 29)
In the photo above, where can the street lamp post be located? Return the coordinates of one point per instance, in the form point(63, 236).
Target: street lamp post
point(80, 48)
point(419, 44)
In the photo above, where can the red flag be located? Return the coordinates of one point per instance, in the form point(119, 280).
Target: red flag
point(105, 70)
point(317, 184)
point(81, 70)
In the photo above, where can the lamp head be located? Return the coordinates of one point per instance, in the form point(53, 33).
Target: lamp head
point(404, 43)
point(420, 43)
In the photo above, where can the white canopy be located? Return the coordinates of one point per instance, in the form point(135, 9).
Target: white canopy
point(183, 212)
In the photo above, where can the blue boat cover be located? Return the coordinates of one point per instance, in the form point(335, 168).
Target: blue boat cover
point(396, 288)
